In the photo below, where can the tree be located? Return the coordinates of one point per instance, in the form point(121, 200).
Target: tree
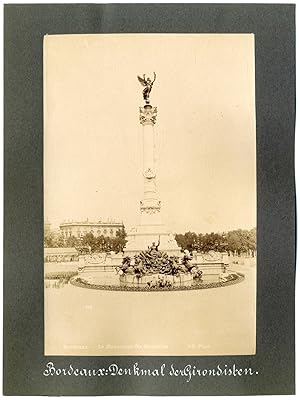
point(90, 241)
point(60, 241)
point(49, 240)
point(72, 241)
point(234, 242)
point(251, 241)
point(188, 241)
point(180, 240)
point(119, 241)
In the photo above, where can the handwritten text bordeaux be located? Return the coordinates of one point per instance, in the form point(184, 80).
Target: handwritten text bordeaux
point(188, 371)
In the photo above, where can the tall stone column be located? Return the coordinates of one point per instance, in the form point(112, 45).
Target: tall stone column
point(150, 205)
point(151, 228)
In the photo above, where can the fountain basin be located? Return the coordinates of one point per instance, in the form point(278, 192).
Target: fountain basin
point(150, 280)
point(192, 284)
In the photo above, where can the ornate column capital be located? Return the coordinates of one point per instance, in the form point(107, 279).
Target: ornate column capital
point(148, 115)
point(150, 206)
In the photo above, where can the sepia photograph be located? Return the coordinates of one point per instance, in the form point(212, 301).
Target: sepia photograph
point(149, 195)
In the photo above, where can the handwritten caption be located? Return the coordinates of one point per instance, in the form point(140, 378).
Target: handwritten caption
point(188, 372)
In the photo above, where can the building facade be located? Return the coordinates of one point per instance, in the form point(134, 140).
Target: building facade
point(80, 229)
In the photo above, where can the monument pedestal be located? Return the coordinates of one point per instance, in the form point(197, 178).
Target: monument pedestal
point(142, 236)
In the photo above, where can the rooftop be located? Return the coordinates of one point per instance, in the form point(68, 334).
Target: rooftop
point(89, 223)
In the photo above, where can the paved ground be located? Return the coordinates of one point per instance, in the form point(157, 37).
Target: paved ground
point(203, 322)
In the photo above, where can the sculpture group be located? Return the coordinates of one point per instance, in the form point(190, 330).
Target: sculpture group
point(153, 261)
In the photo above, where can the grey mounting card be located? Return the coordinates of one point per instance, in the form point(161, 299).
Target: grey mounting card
point(149, 183)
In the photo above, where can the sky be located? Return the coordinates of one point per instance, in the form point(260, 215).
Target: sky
point(205, 130)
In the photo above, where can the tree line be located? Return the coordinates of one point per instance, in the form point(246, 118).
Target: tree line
point(240, 241)
point(95, 243)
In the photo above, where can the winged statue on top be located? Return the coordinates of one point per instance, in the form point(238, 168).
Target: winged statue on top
point(147, 83)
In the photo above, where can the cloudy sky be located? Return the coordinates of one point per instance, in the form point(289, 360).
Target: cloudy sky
point(205, 130)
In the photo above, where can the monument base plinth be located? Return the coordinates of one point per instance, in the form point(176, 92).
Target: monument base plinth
point(142, 236)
